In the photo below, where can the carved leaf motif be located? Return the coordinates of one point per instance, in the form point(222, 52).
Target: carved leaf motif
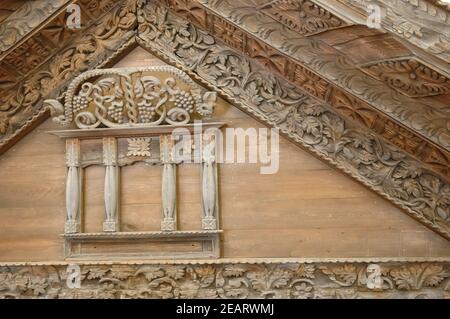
point(121, 272)
point(434, 275)
point(343, 275)
point(97, 272)
point(305, 271)
point(150, 272)
point(175, 272)
point(412, 187)
point(416, 276)
point(206, 274)
point(233, 271)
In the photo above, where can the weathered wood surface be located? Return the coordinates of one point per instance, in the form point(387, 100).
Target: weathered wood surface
point(307, 210)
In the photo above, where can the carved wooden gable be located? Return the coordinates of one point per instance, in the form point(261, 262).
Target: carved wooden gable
point(372, 103)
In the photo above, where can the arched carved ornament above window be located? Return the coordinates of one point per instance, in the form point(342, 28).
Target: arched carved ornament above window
point(132, 97)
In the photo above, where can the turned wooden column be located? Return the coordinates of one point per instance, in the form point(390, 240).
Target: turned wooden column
point(73, 187)
point(169, 183)
point(209, 183)
point(111, 223)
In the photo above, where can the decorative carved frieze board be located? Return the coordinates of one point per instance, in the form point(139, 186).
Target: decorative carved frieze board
point(21, 106)
point(408, 139)
point(319, 58)
point(25, 20)
point(409, 76)
point(303, 16)
point(310, 123)
point(132, 97)
point(419, 22)
point(232, 278)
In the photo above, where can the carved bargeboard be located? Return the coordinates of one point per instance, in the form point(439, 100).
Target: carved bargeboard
point(132, 115)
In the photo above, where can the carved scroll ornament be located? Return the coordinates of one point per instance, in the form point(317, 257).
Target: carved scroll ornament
point(132, 97)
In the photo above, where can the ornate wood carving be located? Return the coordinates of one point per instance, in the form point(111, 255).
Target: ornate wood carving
point(309, 122)
point(131, 104)
point(410, 77)
point(336, 69)
point(21, 103)
point(303, 16)
point(132, 97)
point(240, 278)
point(106, 35)
point(320, 87)
point(24, 20)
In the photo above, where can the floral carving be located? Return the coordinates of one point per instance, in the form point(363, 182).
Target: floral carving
point(139, 147)
point(410, 77)
point(236, 280)
point(308, 122)
point(260, 46)
point(90, 49)
point(302, 16)
point(132, 97)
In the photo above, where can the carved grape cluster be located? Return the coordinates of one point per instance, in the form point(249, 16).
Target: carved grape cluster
point(146, 113)
point(184, 100)
point(116, 113)
point(79, 103)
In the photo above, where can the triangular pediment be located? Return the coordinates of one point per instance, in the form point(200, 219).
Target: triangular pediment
point(312, 114)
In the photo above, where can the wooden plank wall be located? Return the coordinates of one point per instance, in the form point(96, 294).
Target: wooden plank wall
point(306, 210)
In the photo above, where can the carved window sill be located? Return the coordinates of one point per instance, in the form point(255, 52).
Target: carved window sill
point(142, 245)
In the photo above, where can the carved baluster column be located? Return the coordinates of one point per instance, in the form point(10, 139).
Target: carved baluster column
point(168, 189)
point(111, 223)
point(209, 183)
point(73, 187)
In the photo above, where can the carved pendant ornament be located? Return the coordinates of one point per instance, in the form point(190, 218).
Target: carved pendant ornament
point(132, 97)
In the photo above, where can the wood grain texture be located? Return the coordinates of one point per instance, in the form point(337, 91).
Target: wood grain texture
point(306, 210)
